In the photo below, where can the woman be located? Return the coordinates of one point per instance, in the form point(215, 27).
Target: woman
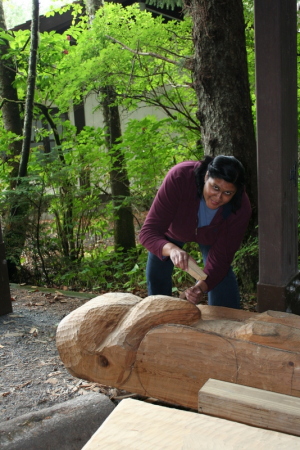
point(203, 202)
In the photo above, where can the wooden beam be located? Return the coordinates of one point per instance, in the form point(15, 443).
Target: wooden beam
point(250, 406)
point(137, 425)
point(277, 151)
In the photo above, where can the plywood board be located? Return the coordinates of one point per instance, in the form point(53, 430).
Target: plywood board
point(135, 425)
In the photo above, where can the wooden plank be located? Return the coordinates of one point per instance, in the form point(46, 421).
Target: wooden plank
point(195, 271)
point(251, 406)
point(135, 425)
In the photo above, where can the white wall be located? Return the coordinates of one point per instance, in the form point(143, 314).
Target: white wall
point(95, 118)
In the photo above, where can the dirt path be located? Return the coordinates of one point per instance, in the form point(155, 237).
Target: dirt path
point(32, 376)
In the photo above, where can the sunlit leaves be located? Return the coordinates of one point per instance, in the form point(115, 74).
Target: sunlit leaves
point(97, 60)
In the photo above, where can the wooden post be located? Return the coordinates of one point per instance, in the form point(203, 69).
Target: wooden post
point(5, 299)
point(276, 90)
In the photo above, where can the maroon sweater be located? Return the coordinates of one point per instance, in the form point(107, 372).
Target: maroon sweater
point(174, 213)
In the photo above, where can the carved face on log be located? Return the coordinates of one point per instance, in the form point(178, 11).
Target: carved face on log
point(99, 340)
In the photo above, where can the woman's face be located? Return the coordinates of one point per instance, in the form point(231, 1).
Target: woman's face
point(217, 192)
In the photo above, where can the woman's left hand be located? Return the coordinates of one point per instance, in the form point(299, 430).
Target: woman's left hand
point(194, 295)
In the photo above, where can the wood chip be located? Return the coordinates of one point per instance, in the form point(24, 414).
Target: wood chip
point(33, 330)
point(12, 334)
point(54, 373)
point(5, 394)
point(24, 384)
point(52, 380)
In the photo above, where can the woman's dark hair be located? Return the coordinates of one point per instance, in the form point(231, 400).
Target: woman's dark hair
point(226, 168)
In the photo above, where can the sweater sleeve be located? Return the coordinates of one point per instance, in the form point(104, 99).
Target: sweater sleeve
point(162, 212)
point(222, 251)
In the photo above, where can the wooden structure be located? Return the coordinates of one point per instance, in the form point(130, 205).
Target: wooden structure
point(5, 299)
point(276, 92)
point(168, 348)
point(135, 425)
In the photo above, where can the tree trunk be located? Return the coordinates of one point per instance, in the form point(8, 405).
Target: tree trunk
point(16, 228)
point(224, 102)
point(10, 108)
point(5, 299)
point(124, 235)
point(65, 225)
point(30, 90)
point(221, 84)
point(92, 7)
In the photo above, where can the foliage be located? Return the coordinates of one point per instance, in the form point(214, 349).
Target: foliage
point(168, 4)
point(120, 48)
point(103, 269)
point(151, 147)
point(69, 215)
point(96, 60)
point(250, 47)
point(245, 265)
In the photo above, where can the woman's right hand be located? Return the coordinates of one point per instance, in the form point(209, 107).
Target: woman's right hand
point(179, 258)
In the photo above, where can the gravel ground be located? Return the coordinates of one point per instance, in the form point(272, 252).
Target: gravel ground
point(32, 376)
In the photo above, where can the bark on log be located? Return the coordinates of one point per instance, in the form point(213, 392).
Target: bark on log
point(167, 348)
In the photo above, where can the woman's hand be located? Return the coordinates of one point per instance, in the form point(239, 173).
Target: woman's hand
point(180, 259)
point(178, 256)
point(194, 295)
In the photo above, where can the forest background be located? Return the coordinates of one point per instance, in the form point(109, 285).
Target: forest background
point(71, 212)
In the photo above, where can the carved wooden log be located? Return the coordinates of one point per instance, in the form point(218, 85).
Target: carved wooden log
point(167, 348)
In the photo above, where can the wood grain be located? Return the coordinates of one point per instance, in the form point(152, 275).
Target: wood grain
point(135, 425)
point(251, 406)
point(99, 340)
point(195, 271)
point(174, 362)
point(167, 348)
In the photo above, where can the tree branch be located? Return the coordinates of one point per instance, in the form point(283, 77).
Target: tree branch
point(155, 55)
